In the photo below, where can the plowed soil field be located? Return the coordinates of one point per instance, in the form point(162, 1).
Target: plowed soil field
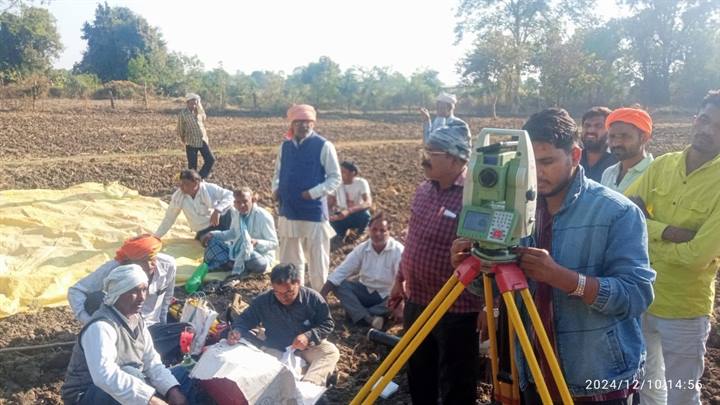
point(64, 143)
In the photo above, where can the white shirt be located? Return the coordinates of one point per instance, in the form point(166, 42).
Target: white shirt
point(377, 270)
point(159, 296)
point(260, 226)
point(610, 175)
point(350, 195)
point(329, 162)
point(209, 197)
point(99, 344)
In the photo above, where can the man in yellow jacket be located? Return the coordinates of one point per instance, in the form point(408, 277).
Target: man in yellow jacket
point(680, 195)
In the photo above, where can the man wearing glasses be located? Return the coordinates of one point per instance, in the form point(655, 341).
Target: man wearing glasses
point(293, 316)
point(444, 364)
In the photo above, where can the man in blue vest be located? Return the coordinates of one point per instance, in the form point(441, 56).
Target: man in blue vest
point(306, 171)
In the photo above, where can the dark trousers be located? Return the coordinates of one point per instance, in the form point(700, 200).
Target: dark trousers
point(207, 155)
point(224, 225)
point(444, 364)
point(357, 220)
point(531, 397)
point(188, 386)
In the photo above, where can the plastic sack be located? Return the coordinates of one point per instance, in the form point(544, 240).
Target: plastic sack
point(294, 363)
point(199, 313)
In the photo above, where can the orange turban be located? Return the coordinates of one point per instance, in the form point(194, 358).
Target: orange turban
point(633, 116)
point(141, 247)
point(300, 112)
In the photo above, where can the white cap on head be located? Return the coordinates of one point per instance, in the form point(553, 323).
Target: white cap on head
point(192, 96)
point(446, 98)
point(121, 280)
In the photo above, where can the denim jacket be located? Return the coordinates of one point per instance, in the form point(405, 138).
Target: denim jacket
point(599, 233)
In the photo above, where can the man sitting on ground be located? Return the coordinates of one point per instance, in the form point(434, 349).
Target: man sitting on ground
point(293, 316)
point(204, 204)
point(86, 296)
point(249, 245)
point(376, 261)
point(114, 360)
point(350, 203)
point(629, 131)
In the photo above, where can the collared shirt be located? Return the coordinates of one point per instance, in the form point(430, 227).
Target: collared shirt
point(191, 128)
point(197, 210)
point(611, 174)
point(308, 314)
point(377, 270)
point(685, 285)
point(99, 345)
point(425, 266)
point(159, 296)
point(261, 227)
point(329, 162)
point(595, 172)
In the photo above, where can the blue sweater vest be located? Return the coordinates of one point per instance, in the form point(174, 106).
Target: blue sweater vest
point(301, 170)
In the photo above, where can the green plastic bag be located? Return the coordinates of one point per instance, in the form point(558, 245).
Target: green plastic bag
point(195, 281)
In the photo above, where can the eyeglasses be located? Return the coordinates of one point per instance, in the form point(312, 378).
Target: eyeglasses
point(427, 154)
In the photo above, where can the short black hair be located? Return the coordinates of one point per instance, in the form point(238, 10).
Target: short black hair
point(379, 216)
point(554, 126)
point(348, 165)
point(190, 174)
point(712, 97)
point(595, 112)
point(285, 273)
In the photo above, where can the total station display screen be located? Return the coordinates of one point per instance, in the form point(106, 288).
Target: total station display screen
point(477, 221)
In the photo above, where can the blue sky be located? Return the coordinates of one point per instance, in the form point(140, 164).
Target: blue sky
point(248, 35)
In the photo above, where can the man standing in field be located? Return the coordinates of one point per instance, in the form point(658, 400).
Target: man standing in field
point(680, 196)
point(445, 108)
point(629, 130)
point(595, 156)
point(191, 129)
point(306, 171)
point(444, 364)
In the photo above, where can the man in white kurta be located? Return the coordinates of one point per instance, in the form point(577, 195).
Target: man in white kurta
point(306, 171)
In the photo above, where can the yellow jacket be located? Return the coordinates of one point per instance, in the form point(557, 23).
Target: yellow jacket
point(685, 284)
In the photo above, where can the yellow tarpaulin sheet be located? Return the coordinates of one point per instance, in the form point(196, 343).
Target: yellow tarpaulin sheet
point(49, 239)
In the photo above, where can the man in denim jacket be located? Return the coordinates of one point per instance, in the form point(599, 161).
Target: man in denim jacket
point(589, 272)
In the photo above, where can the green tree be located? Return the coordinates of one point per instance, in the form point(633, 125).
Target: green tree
point(423, 86)
point(319, 81)
point(349, 89)
point(115, 37)
point(661, 33)
point(28, 42)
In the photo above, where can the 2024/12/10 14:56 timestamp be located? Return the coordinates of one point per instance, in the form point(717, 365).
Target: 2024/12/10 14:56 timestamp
point(637, 385)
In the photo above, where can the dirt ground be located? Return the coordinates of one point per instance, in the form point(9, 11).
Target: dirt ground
point(65, 143)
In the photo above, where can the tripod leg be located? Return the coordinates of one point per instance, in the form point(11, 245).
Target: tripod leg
point(545, 344)
point(527, 348)
point(415, 343)
point(399, 349)
point(489, 311)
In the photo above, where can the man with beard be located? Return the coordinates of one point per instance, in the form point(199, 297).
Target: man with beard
point(629, 130)
point(680, 196)
point(595, 156)
point(588, 270)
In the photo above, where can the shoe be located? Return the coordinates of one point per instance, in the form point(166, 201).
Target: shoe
point(377, 322)
point(332, 380)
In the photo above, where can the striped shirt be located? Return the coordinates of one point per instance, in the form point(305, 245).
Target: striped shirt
point(191, 128)
point(425, 264)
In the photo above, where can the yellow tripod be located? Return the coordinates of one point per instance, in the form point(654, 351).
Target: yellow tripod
point(509, 278)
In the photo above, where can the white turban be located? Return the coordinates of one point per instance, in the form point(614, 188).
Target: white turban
point(192, 96)
point(121, 280)
point(446, 98)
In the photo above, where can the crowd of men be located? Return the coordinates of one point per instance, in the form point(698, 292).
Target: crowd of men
point(621, 263)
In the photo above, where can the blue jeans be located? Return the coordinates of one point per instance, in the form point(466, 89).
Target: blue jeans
point(188, 386)
point(207, 155)
point(357, 220)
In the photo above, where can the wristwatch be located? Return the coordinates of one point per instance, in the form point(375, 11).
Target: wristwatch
point(580, 289)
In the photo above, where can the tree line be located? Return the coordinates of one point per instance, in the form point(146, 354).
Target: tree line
point(526, 54)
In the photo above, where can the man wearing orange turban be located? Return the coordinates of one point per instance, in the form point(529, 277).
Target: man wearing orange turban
point(306, 171)
point(87, 294)
point(629, 130)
